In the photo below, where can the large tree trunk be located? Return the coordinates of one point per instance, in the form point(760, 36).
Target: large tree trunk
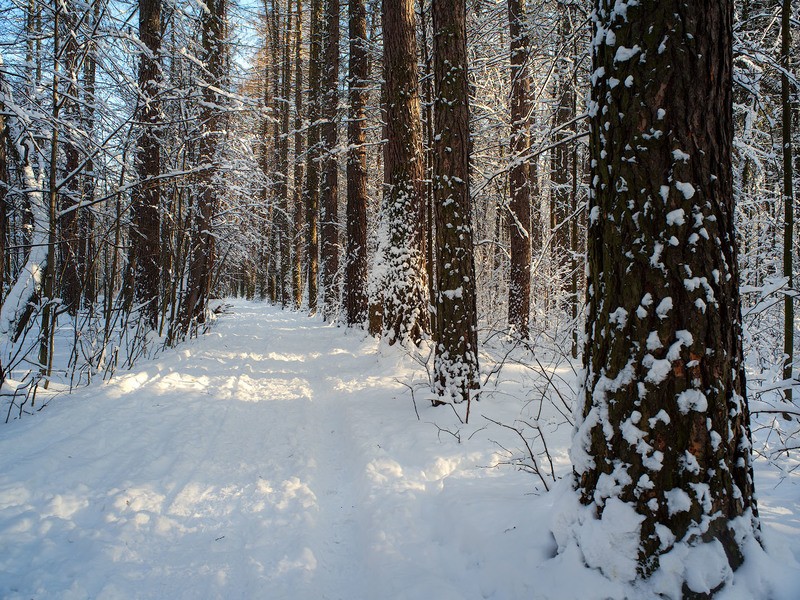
point(404, 289)
point(456, 361)
point(662, 449)
point(355, 282)
point(146, 197)
point(312, 179)
point(201, 264)
point(519, 289)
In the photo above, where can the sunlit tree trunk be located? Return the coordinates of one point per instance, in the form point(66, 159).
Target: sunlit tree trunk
point(201, 264)
point(404, 289)
point(456, 355)
point(662, 446)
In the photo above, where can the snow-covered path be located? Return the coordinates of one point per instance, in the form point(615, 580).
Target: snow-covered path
point(269, 459)
point(278, 458)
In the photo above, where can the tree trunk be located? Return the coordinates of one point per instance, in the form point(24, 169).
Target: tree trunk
point(355, 282)
point(312, 180)
point(329, 190)
point(788, 194)
point(662, 449)
point(299, 167)
point(456, 362)
point(519, 289)
point(146, 197)
point(70, 254)
point(404, 289)
point(201, 265)
point(285, 223)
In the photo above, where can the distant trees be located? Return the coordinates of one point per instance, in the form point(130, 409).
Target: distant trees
point(662, 450)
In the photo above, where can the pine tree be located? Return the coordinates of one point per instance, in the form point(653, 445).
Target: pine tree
point(403, 285)
point(519, 289)
point(146, 199)
point(329, 189)
point(355, 281)
point(456, 359)
point(662, 448)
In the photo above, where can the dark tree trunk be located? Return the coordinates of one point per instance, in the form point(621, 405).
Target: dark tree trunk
point(561, 158)
point(355, 281)
point(788, 193)
point(69, 247)
point(299, 167)
point(201, 265)
point(4, 183)
point(404, 289)
point(519, 289)
point(146, 197)
point(427, 124)
point(285, 223)
point(456, 362)
point(88, 250)
point(664, 432)
point(329, 190)
point(312, 179)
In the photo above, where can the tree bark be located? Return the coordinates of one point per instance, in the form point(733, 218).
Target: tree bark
point(664, 433)
point(299, 167)
point(519, 289)
point(456, 356)
point(355, 282)
point(312, 168)
point(69, 247)
point(404, 289)
point(788, 194)
point(201, 265)
point(329, 190)
point(146, 197)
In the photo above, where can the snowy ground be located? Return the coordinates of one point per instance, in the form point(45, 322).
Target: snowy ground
point(278, 457)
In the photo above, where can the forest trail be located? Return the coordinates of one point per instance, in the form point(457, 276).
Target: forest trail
point(277, 457)
point(270, 458)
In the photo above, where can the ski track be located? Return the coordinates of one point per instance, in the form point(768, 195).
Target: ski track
point(234, 470)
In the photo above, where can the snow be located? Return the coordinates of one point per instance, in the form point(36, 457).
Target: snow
point(685, 188)
point(278, 456)
point(676, 217)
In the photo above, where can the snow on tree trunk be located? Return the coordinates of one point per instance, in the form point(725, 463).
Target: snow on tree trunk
point(519, 289)
point(29, 278)
point(662, 444)
point(355, 282)
point(456, 360)
point(401, 258)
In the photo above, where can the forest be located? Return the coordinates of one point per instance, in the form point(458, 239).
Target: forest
point(592, 199)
